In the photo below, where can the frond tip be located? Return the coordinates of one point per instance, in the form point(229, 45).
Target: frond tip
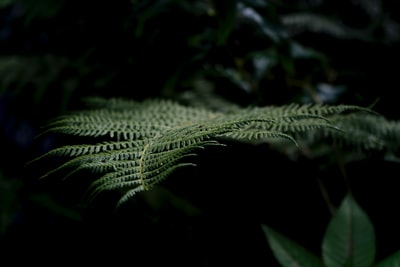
point(147, 141)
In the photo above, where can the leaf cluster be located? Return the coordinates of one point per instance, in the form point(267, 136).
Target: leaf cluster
point(144, 142)
point(349, 240)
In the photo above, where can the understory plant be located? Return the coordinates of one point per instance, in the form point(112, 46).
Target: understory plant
point(310, 80)
point(135, 145)
point(349, 240)
point(130, 147)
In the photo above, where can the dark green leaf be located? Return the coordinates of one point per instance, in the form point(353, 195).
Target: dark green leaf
point(350, 237)
point(391, 261)
point(289, 253)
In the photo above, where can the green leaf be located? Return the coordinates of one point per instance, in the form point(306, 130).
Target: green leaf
point(4, 3)
point(289, 253)
point(350, 238)
point(391, 261)
point(144, 142)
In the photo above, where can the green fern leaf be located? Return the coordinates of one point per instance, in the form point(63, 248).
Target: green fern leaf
point(147, 141)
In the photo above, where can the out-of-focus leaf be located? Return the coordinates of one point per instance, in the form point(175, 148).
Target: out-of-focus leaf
point(263, 62)
point(9, 204)
point(47, 202)
point(43, 72)
point(269, 29)
point(289, 253)
point(43, 9)
point(372, 8)
point(391, 261)
point(326, 93)
point(306, 22)
point(4, 3)
point(226, 11)
point(144, 11)
point(300, 52)
point(350, 238)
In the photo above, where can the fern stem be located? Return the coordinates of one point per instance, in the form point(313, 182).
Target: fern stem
point(341, 167)
point(325, 196)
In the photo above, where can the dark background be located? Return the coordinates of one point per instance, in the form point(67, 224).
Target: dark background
point(54, 53)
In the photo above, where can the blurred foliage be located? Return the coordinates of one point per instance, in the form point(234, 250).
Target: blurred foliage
point(269, 52)
point(250, 52)
point(349, 239)
point(9, 202)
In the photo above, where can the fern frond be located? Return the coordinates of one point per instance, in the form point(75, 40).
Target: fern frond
point(253, 134)
point(370, 131)
point(149, 140)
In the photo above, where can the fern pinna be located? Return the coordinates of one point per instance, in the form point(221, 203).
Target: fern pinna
point(143, 142)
